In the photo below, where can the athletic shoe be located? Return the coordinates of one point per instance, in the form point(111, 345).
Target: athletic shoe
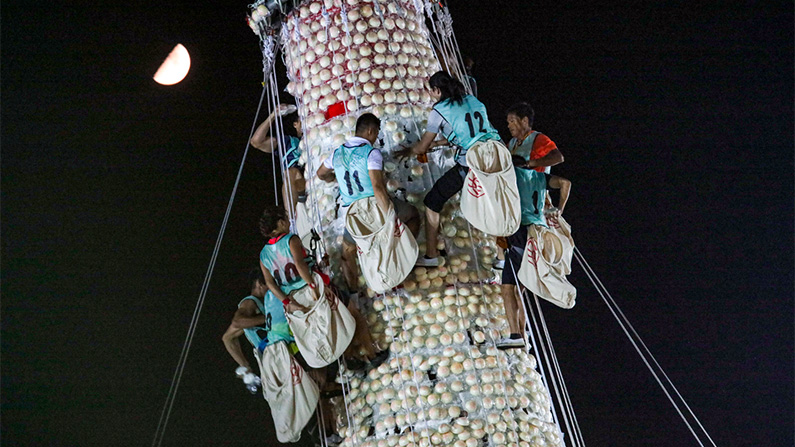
point(508, 343)
point(427, 262)
point(499, 264)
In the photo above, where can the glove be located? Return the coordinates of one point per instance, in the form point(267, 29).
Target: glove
point(242, 371)
point(251, 379)
point(252, 382)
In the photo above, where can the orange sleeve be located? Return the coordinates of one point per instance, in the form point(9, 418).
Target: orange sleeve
point(541, 147)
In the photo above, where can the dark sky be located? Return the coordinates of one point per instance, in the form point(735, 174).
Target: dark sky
point(676, 121)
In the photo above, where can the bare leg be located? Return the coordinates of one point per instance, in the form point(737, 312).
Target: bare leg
point(431, 233)
point(513, 308)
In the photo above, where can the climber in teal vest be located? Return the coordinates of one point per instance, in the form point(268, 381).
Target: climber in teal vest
point(260, 316)
point(283, 258)
point(462, 121)
point(532, 186)
point(287, 152)
point(358, 169)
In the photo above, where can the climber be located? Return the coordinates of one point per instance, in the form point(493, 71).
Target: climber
point(282, 261)
point(290, 279)
point(358, 168)
point(260, 316)
point(294, 184)
point(532, 187)
point(461, 120)
point(536, 148)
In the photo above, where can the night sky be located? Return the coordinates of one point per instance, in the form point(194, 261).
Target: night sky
point(676, 121)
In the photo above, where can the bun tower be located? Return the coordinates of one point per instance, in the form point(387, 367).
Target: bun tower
point(444, 382)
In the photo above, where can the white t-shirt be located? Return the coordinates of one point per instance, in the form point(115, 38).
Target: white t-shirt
point(438, 125)
point(375, 161)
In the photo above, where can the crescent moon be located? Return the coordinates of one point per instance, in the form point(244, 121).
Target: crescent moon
point(174, 68)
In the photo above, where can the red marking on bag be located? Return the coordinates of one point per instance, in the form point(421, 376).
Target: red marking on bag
point(399, 228)
point(296, 371)
point(532, 251)
point(553, 222)
point(474, 188)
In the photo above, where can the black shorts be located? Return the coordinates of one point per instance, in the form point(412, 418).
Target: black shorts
point(447, 186)
point(513, 258)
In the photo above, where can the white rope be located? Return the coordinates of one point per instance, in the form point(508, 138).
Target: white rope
point(531, 327)
point(624, 322)
point(552, 375)
point(175, 381)
point(566, 404)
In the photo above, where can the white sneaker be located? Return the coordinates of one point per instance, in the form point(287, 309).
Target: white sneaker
point(499, 264)
point(508, 343)
point(427, 262)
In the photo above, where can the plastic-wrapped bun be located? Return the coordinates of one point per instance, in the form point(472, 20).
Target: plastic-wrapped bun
point(398, 138)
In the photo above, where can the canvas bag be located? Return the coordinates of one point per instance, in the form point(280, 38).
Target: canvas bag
point(545, 261)
point(562, 229)
point(324, 332)
point(291, 394)
point(303, 224)
point(490, 197)
point(387, 249)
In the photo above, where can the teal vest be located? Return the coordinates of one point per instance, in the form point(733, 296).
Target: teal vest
point(523, 150)
point(469, 122)
point(275, 329)
point(278, 259)
point(292, 154)
point(532, 187)
point(350, 166)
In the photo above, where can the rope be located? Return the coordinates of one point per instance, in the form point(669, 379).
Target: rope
point(624, 322)
point(175, 381)
point(565, 400)
point(552, 372)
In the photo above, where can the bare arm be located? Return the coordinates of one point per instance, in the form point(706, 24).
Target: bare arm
point(379, 188)
point(554, 157)
point(231, 340)
point(326, 174)
point(261, 138)
point(271, 283)
point(297, 250)
point(565, 187)
point(425, 143)
point(245, 317)
point(420, 147)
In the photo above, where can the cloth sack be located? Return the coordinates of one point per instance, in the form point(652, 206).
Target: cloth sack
point(324, 332)
point(490, 198)
point(545, 263)
point(291, 394)
point(386, 248)
point(562, 229)
point(303, 224)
